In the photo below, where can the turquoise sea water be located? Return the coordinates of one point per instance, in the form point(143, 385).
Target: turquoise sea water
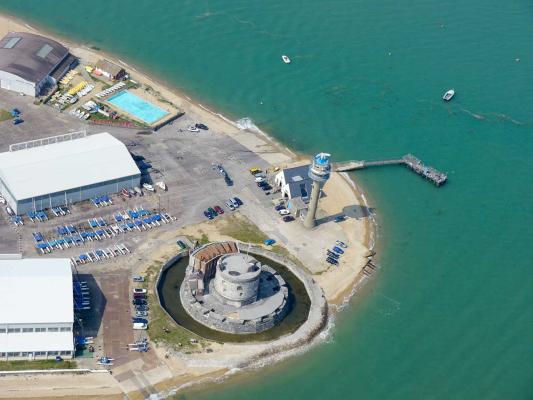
point(449, 314)
point(134, 105)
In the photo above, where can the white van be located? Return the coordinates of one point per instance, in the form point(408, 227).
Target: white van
point(139, 326)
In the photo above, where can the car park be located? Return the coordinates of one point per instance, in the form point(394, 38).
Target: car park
point(219, 209)
point(138, 278)
point(139, 290)
point(284, 211)
point(288, 218)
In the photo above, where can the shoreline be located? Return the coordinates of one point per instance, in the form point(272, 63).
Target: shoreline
point(336, 303)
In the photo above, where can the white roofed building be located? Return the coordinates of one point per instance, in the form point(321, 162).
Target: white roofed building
point(37, 312)
point(294, 182)
point(65, 169)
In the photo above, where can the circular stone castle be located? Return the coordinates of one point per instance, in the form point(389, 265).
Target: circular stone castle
point(232, 292)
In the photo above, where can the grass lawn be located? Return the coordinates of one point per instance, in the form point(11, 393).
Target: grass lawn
point(37, 364)
point(5, 115)
point(242, 229)
point(162, 328)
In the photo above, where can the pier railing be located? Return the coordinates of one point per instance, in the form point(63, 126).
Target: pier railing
point(409, 160)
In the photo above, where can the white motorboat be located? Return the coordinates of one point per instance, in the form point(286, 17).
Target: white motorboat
point(286, 59)
point(148, 187)
point(192, 128)
point(162, 185)
point(448, 95)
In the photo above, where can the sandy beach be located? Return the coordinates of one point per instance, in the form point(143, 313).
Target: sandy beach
point(336, 283)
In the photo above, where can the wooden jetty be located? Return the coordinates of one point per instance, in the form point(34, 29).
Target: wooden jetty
point(413, 163)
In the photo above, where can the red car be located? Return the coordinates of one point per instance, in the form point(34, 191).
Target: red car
point(219, 209)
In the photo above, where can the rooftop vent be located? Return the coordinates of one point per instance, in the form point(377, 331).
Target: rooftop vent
point(11, 42)
point(45, 50)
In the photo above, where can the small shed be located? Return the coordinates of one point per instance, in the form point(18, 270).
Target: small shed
point(109, 70)
point(296, 206)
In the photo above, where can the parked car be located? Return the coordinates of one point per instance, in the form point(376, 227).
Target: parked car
point(230, 205)
point(284, 211)
point(219, 209)
point(212, 211)
point(139, 320)
point(141, 313)
point(340, 218)
point(208, 215)
point(288, 218)
point(333, 255)
point(341, 244)
point(202, 126)
point(141, 308)
point(139, 290)
point(261, 184)
point(259, 179)
point(17, 121)
point(139, 296)
point(238, 201)
point(269, 242)
point(260, 175)
point(138, 278)
point(255, 170)
point(139, 302)
point(279, 207)
point(139, 326)
point(332, 261)
point(267, 187)
point(236, 205)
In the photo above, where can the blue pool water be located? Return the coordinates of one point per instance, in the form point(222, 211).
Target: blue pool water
point(134, 105)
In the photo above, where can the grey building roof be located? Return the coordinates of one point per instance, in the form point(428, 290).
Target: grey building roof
point(31, 57)
point(298, 181)
point(108, 66)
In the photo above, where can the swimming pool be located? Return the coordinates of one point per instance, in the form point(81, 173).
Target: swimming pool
point(138, 107)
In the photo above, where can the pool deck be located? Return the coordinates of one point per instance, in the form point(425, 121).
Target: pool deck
point(172, 111)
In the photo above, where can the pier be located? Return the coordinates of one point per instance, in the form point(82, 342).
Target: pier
point(409, 160)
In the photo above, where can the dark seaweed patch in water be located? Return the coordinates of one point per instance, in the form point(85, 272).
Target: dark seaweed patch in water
point(299, 305)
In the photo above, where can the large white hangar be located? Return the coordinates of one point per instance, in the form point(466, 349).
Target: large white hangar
point(37, 312)
point(29, 62)
point(65, 169)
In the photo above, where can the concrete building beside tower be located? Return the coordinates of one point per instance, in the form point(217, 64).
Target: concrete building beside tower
point(65, 169)
point(30, 62)
point(37, 312)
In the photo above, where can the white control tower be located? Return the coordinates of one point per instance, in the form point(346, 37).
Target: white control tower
point(319, 172)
